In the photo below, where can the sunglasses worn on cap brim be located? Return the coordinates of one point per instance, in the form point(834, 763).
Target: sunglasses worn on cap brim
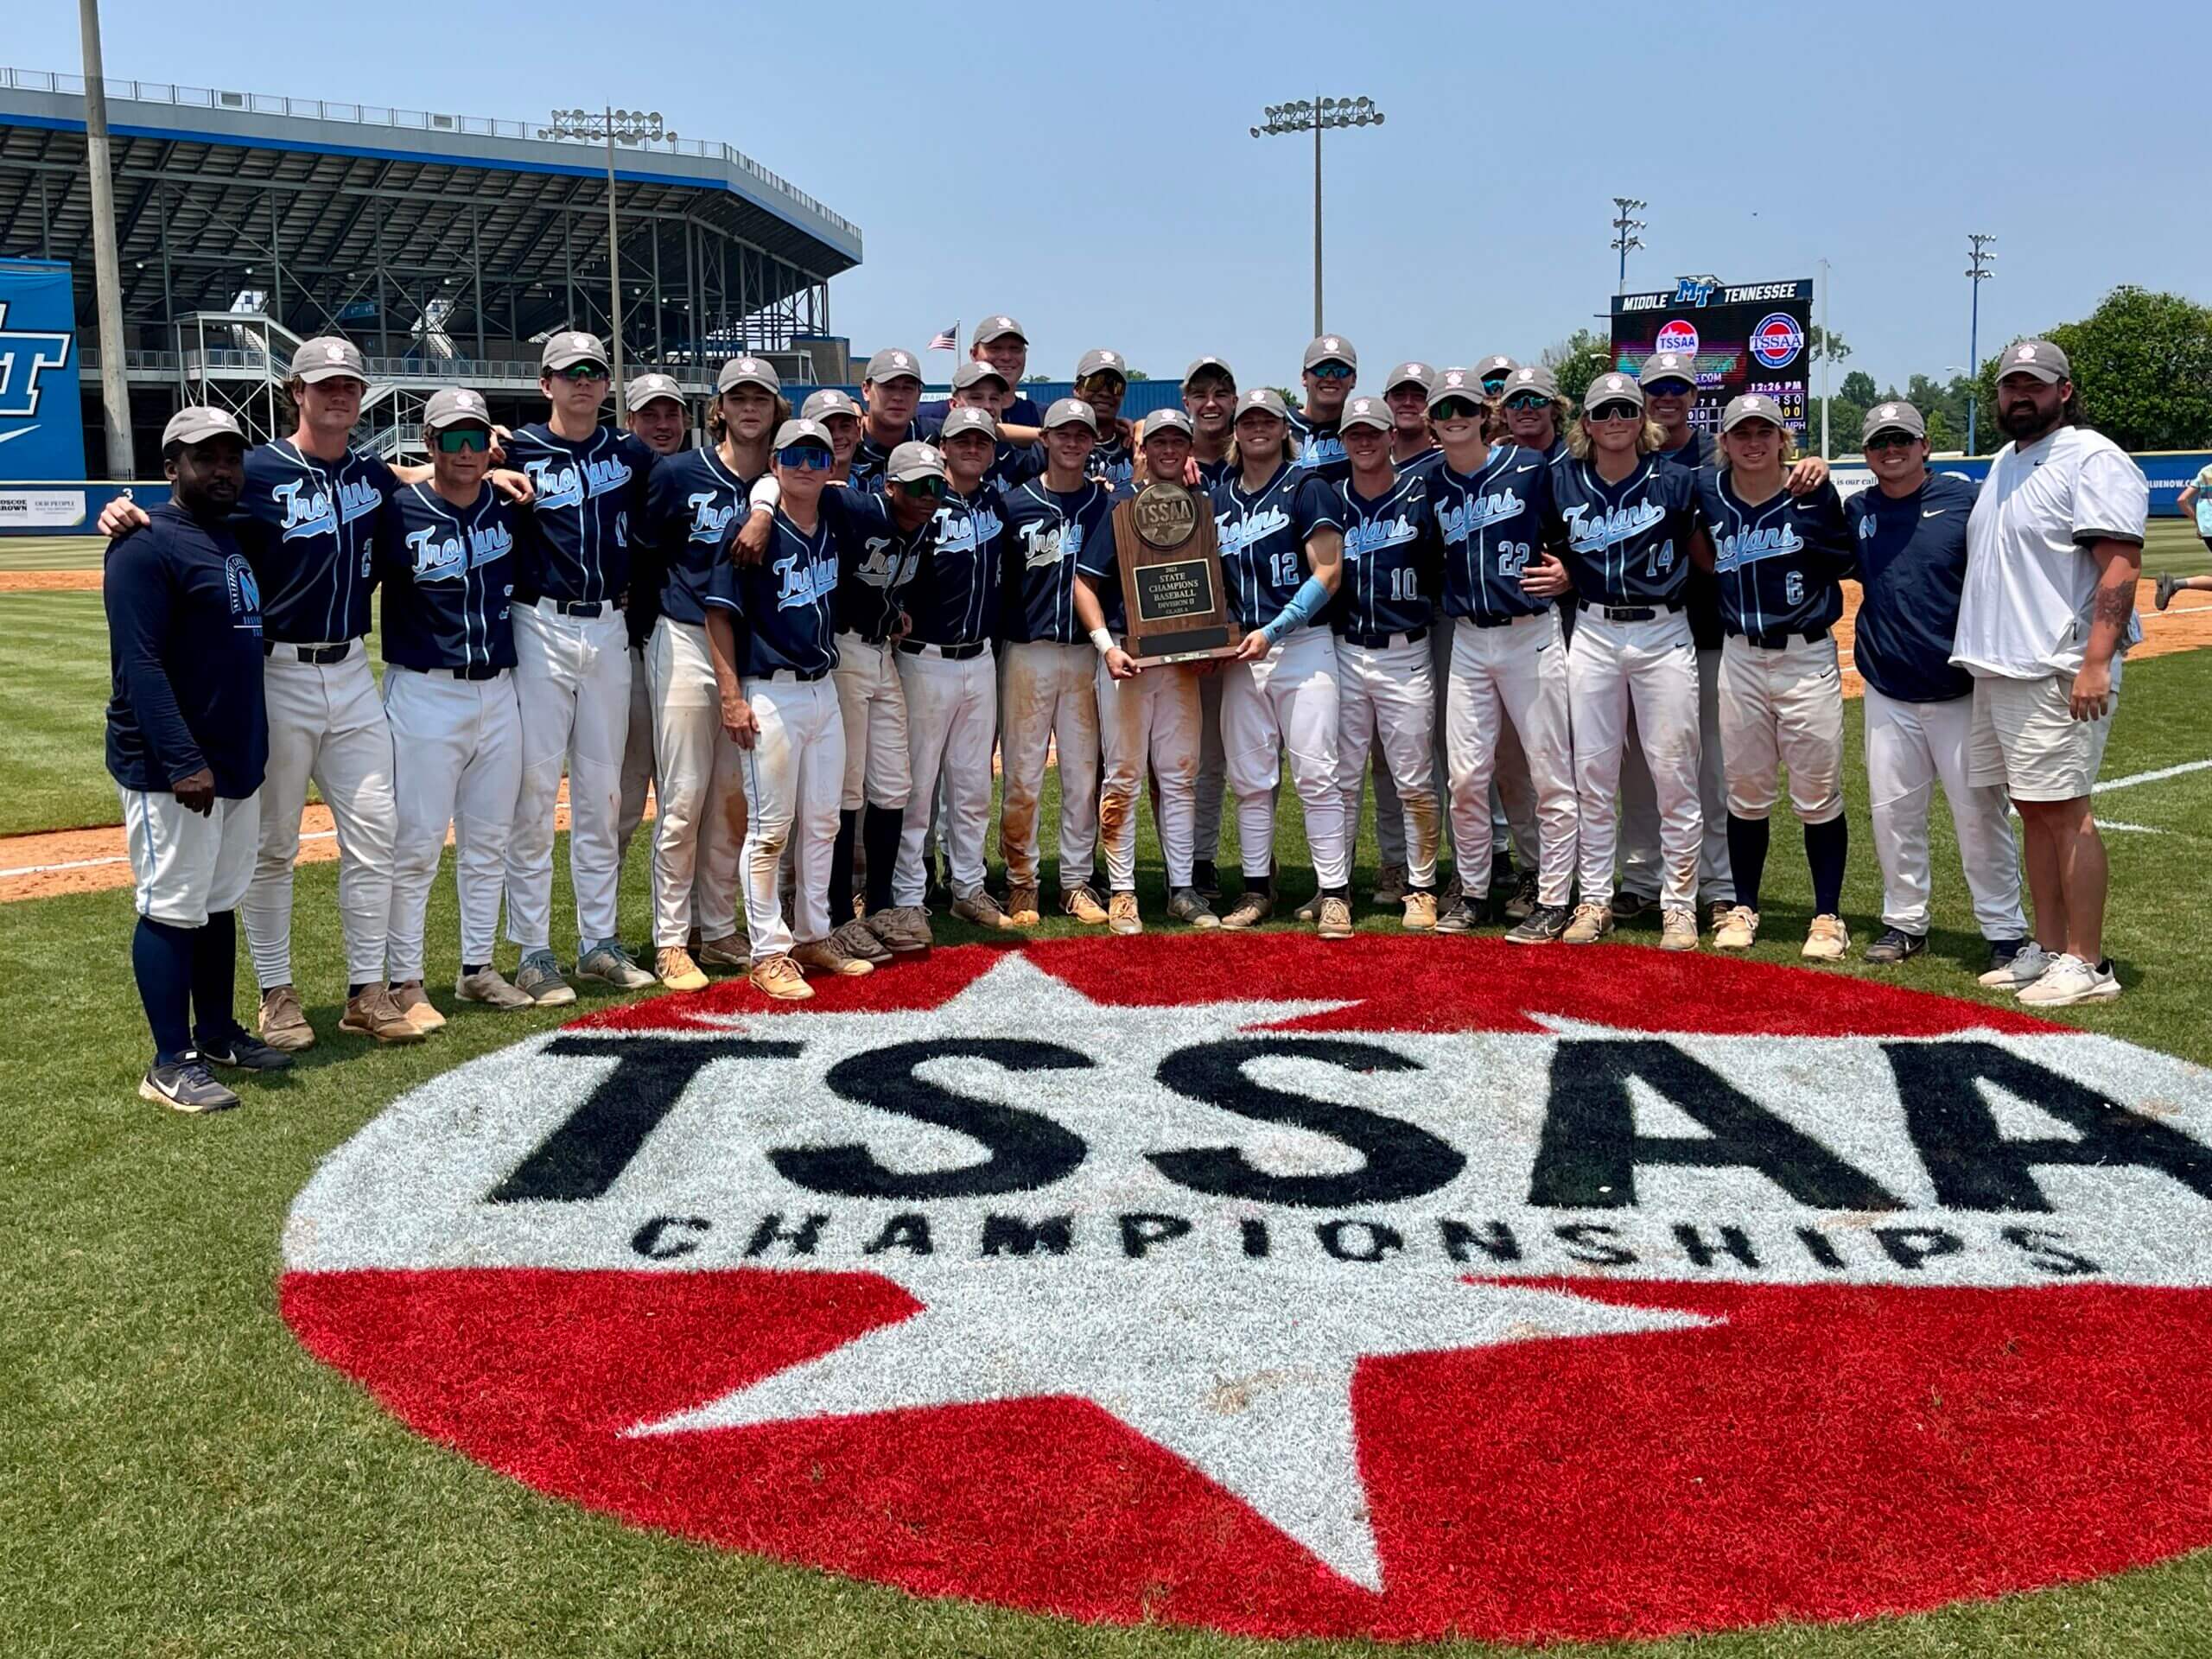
point(455, 440)
point(806, 458)
point(1330, 371)
point(1454, 409)
point(1616, 412)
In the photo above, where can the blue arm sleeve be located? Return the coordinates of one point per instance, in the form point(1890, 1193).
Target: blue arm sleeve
point(1305, 604)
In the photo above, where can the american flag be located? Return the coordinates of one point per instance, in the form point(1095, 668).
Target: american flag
point(947, 340)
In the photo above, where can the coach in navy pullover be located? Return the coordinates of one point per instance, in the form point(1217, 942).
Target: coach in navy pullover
point(1912, 561)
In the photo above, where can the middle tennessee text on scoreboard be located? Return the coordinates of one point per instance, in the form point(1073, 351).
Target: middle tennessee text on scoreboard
point(1744, 337)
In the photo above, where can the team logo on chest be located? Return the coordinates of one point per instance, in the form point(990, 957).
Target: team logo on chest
point(1338, 1305)
point(310, 510)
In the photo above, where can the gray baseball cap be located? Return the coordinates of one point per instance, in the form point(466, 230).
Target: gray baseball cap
point(972, 371)
point(802, 430)
point(639, 392)
point(1411, 374)
point(1067, 409)
point(821, 405)
point(1266, 400)
point(969, 420)
point(1667, 365)
point(1100, 361)
point(1203, 365)
point(999, 328)
point(1456, 382)
point(1893, 418)
point(1365, 411)
point(1614, 388)
point(747, 371)
point(1534, 377)
point(892, 364)
point(1752, 406)
point(326, 357)
point(570, 347)
point(197, 423)
point(2037, 357)
point(1495, 363)
point(1165, 420)
point(914, 459)
point(1332, 348)
point(458, 406)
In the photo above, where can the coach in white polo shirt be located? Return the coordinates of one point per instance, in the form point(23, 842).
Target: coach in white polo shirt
point(2053, 551)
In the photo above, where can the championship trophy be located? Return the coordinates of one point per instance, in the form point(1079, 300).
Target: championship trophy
point(1172, 591)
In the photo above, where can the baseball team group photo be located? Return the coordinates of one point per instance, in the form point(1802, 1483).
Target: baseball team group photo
point(1462, 938)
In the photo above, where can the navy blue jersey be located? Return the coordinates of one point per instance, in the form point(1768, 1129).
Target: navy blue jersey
point(1263, 535)
point(590, 503)
point(310, 528)
point(1392, 549)
point(870, 459)
point(876, 560)
point(184, 656)
point(694, 504)
point(1046, 529)
point(784, 606)
point(1421, 465)
point(1778, 563)
point(1701, 594)
point(1912, 561)
point(1627, 544)
point(1016, 464)
point(1113, 463)
point(1320, 447)
point(1211, 473)
point(954, 599)
point(1492, 522)
point(449, 581)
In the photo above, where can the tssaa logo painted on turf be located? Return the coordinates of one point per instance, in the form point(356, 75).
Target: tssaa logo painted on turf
point(1385, 1288)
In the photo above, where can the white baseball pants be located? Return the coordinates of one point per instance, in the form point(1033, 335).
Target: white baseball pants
point(572, 679)
point(325, 723)
point(1783, 707)
point(1050, 701)
point(1513, 681)
point(1386, 700)
point(951, 720)
point(637, 759)
point(1909, 746)
point(699, 824)
point(1389, 810)
point(1649, 668)
point(1641, 861)
point(1285, 703)
point(187, 866)
point(793, 774)
point(877, 768)
point(1151, 720)
point(458, 748)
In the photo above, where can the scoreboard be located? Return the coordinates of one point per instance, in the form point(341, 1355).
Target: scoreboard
point(1746, 337)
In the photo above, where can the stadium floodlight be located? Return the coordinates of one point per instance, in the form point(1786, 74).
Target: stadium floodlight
point(1625, 226)
point(610, 126)
point(1316, 115)
point(1978, 260)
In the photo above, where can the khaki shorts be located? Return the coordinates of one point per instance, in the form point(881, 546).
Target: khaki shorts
point(2026, 742)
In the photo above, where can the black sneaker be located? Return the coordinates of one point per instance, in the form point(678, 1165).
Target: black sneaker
point(1543, 926)
point(244, 1053)
point(1627, 906)
point(1463, 917)
point(186, 1086)
point(1896, 945)
point(1206, 878)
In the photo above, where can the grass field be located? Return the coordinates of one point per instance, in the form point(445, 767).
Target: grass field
point(177, 1478)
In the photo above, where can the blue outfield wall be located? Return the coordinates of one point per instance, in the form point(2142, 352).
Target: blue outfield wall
point(68, 508)
point(2169, 472)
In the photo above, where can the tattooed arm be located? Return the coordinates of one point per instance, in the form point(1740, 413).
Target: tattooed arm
point(2120, 565)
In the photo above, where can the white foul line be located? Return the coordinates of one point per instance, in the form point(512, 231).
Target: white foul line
point(2158, 777)
point(96, 863)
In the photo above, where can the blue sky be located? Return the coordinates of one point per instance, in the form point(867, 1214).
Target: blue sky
point(1088, 167)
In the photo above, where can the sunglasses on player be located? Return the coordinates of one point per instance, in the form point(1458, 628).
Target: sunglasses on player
point(1330, 371)
point(806, 458)
point(1527, 401)
point(1493, 383)
point(579, 374)
point(1616, 412)
point(463, 441)
point(1892, 440)
point(924, 489)
point(1454, 409)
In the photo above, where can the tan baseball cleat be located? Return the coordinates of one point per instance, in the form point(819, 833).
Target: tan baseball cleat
point(673, 965)
point(855, 939)
point(1736, 928)
point(1827, 939)
point(902, 929)
point(416, 1004)
point(489, 987)
point(824, 957)
point(982, 909)
point(1121, 914)
point(1021, 906)
point(283, 1023)
point(779, 977)
point(374, 1014)
point(1421, 912)
point(1592, 922)
point(1250, 909)
point(1081, 903)
point(1334, 919)
point(1678, 930)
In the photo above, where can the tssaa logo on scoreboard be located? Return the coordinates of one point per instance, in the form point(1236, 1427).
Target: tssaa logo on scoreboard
point(1675, 335)
point(1777, 340)
point(1386, 1288)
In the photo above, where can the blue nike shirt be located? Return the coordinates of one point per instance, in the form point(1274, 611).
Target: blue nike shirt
point(1912, 565)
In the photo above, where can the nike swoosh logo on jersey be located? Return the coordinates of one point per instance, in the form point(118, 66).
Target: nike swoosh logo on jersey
point(1937, 514)
point(1530, 467)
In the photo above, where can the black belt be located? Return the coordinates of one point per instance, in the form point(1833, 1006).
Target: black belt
point(586, 608)
point(1783, 640)
point(1384, 641)
point(803, 676)
point(309, 653)
point(949, 654)
point(1502, 621)
point(474, 672)
point(1630, 613)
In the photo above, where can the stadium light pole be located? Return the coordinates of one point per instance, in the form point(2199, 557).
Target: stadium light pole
point(1316, 115)
point(1979, 258)
point(1625, 226)
point(606, 127)
point(107, 274)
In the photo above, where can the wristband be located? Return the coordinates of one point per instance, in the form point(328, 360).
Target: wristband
point(1103, 638)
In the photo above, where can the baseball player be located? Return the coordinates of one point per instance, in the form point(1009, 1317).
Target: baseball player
point(1000, 342)
point(1778, 558)
point(1050, 699)
point(1382, 618)
point(840, 416)
point(187, 742)
point(654, 411)
point(772, 626)
point(1910, 531)
point(572, 665)
point(2194, 504)
point(1281, 534)
point(1331, 367)
point(1537, 414)
point(309, 513)
point(1493, 504)
point(1020, 456)
point(1628, 522)
point(893, 390)
point(1209, 400)
point(949, 671)
point(1491, 374)
point(448, 575)
point(1148, 719)
point(1102, 381)
point(693, 502)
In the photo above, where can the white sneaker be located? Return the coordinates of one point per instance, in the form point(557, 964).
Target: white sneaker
point(2027, 966)
point(2069, 979)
